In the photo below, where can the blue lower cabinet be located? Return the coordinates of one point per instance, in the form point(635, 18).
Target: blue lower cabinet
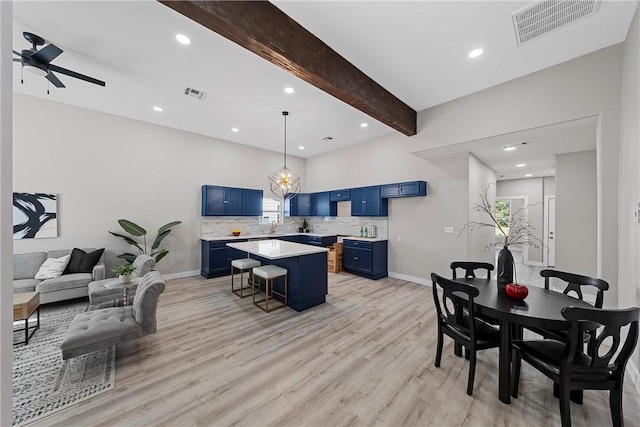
point(323, 241)
point(367, 259)
point(217, 257)
point(294, 239)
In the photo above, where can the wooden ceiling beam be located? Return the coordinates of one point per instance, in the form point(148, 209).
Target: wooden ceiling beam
point(265, 30)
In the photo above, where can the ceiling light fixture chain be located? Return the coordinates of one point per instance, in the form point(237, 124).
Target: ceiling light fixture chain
point(284, 183)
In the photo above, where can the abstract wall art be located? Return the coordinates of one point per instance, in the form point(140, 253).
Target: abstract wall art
point(35, 215)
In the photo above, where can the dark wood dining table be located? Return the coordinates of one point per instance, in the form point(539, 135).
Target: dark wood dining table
point(541, 309)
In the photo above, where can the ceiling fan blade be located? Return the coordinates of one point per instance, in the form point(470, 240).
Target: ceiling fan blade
point(47, 54)
point(17, 59)
point(54, 80)
point(76, 75)
point(17, 53)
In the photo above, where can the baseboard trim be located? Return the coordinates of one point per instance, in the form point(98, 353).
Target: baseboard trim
point(418, 280)
point(181, 274)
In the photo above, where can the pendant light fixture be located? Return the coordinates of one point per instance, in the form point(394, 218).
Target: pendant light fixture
point(284, 183)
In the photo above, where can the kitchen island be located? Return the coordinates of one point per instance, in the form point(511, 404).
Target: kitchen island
point(306, 266)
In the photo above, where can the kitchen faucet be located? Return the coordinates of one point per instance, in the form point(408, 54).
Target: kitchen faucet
point(273, 227)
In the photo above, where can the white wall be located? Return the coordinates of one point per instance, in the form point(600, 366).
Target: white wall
point(629, 242)
point(532, 189)
point(587, 86)
point(418, 222)
point(105, 167)
point(481, 179)
point(576, 218)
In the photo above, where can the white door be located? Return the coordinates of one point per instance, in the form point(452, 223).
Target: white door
point(551, 232)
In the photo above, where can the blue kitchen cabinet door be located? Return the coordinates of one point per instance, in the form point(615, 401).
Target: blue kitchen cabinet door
point(367, 201)
point(302, 205)
point(340, 195)
point(252, 202)
point(324, 205)
point(405, 189)
point(221, 201)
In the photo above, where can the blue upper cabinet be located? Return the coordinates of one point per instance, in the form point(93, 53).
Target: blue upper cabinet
point(228, 201)
point(405, 189)
point(324, 205)
point(340, 195)
point(368, 201)
point(252, 202)
point(304, 204)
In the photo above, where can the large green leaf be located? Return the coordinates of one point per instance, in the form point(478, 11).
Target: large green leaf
point(168, 226)
point(161, 255)
point(128, 257)
point(132, 228)
point(159, 237)
point(129, 240)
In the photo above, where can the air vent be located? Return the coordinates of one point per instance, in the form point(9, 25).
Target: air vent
point(195, 93)
point(327, 138)
point(545, 16)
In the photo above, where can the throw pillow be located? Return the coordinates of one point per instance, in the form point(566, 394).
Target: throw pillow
point(52, 268)
point(82, 262)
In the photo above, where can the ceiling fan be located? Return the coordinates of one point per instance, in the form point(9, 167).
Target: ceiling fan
point(39, 62)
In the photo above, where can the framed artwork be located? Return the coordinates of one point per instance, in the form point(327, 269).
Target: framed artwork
point(35, 215)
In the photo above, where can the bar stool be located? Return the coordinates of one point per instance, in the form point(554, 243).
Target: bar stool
point(242, 264)
point(269, 273)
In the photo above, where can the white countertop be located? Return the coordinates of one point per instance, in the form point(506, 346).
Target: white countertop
point(263, 236)
point(276, 249)
point(366, 239)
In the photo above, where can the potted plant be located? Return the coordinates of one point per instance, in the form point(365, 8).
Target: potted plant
point(124, 272)
point(305, 225)
point(517, 232)
point(136, 231)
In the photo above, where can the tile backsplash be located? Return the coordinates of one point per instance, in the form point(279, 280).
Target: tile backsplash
point(222, 226)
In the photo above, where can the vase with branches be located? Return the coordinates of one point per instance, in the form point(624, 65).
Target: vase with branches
point(518, 231)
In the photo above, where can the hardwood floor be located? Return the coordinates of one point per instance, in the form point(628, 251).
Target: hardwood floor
point(366, 357)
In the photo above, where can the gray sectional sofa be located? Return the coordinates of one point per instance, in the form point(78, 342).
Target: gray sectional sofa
point(67, 286)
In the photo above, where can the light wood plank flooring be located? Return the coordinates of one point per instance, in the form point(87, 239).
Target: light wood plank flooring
point(363, 358)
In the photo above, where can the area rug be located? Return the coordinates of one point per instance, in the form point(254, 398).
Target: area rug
point(42, 382)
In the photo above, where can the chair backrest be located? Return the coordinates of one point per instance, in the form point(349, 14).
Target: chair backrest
point(145, 302)
point(470, 268)
point(451, 311)
point(575, 283)
point(606, 354)
point(143, 264)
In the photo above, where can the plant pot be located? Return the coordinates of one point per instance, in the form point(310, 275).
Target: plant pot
point(505, 268)
point(124, 278)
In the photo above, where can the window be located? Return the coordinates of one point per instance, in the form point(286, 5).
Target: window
point(503, 216)
point(271, 211)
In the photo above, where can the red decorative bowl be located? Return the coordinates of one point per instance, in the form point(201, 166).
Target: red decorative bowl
point(516, 291)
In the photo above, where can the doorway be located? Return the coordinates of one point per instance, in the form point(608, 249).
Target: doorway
point(550, 227)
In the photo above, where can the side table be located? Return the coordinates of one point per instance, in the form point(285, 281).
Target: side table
point(23, 307)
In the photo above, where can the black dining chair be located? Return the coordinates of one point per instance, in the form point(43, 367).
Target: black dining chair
point(601, 368)
point(470, 268)
point(574, 285)
point(461, 325)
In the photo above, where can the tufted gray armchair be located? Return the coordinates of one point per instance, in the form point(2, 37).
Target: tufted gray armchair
point(99, 329)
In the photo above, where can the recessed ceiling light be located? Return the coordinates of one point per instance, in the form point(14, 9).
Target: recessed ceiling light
point(508, 148)
point(520, 165)
point(300, 147)
point(183, 39)
point(364, 125)
point(528, 175)
point(475, 53)
point(158, 109)
point(235, 130)
point(289, 90)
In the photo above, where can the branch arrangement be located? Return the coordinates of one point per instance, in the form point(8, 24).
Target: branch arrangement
point(520, 231)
